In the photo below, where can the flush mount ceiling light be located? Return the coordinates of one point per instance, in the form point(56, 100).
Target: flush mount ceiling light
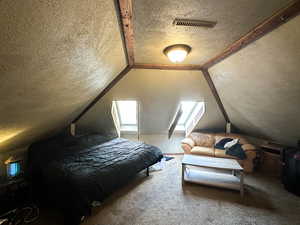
point(177, 53)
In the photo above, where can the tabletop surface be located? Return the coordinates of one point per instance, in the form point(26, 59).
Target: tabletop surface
point(211, 162)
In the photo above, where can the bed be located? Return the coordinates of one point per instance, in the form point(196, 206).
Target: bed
point(72, 173)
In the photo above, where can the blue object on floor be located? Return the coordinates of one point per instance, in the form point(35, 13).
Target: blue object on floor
point(167, 158)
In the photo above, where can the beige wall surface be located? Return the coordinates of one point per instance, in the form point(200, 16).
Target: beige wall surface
point(159, 93)
point(55, 57)
point(172, 145)
point(260, 85)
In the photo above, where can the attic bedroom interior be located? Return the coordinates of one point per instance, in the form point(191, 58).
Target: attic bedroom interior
point(149, 112)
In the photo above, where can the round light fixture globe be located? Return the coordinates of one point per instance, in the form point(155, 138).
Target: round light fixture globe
point(177, 53)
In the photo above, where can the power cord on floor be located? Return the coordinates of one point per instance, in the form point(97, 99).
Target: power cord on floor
point(20, 216)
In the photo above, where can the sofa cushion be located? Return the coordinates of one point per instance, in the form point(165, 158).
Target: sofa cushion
point(220, 153)
point(222, 142)
point(242, 139)
point(204, 140)
point(203, 151)
point(219, 137)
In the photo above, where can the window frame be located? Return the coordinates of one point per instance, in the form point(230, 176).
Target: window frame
point(125, 127)
point(189, 114)
point(182, 128)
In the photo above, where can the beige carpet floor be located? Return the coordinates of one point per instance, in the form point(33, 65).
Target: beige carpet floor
point(160, 200)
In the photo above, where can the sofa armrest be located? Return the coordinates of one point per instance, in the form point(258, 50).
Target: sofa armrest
point(248, 163)
point(250, 155)
point(248, 147)
point(189, 142)
point(186, 148)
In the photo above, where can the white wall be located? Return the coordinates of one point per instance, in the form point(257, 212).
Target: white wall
point(159, 92)
point(260, 85)
point(160, 140)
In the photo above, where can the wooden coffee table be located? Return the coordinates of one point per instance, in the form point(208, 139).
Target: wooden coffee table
point(219, 172)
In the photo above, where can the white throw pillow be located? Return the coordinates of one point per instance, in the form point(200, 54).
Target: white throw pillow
point(231, 143)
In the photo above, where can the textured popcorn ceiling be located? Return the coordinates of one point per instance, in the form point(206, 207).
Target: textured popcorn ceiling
point(260, 85)
point(55, 57)
point(154, 31)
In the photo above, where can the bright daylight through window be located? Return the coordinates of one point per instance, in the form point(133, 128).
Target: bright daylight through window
point(192, 112)
point(127, 114)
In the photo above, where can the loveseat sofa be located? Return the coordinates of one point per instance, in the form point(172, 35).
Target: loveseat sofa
point(204, 144)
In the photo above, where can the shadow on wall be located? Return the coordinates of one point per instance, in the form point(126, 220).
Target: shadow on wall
point(209, 130)
point(240, 130)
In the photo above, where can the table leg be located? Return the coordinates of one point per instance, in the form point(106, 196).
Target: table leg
point(182, 174)
point(242, 184)
point(233, 172)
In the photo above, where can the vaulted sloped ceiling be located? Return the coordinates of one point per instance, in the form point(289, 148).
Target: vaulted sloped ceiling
point(55, 57)
point(260, 85)
point(159, 93)
point(153, 29)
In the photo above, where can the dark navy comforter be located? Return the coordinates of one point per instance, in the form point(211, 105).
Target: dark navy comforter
point(72, 173)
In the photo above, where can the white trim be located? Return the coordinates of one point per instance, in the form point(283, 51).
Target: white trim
point(192, 123)
point(73, 129)
point(228, 128)
point(116, 119)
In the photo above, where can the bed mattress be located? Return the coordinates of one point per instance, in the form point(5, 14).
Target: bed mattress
point(74, 174)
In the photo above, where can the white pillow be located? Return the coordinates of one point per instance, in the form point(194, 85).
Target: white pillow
point(231, 143)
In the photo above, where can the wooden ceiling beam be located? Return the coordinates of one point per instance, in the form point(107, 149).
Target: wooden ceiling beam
point(104, 91)
point(126, 16)
point(215, 94)
point(279, 18)
point(166, 66)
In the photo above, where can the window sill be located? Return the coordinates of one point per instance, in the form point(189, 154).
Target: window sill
point(129, 129)
point(180, 128)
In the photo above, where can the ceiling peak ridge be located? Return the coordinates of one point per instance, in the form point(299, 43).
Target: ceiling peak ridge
point(166, 66)
point(126, 16)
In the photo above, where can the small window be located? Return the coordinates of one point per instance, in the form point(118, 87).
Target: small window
point(128, 115)
point(187, 109)
point(192, 112)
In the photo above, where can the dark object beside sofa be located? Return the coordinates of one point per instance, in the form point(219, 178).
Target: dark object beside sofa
point(72, 173)
point(291, 170)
